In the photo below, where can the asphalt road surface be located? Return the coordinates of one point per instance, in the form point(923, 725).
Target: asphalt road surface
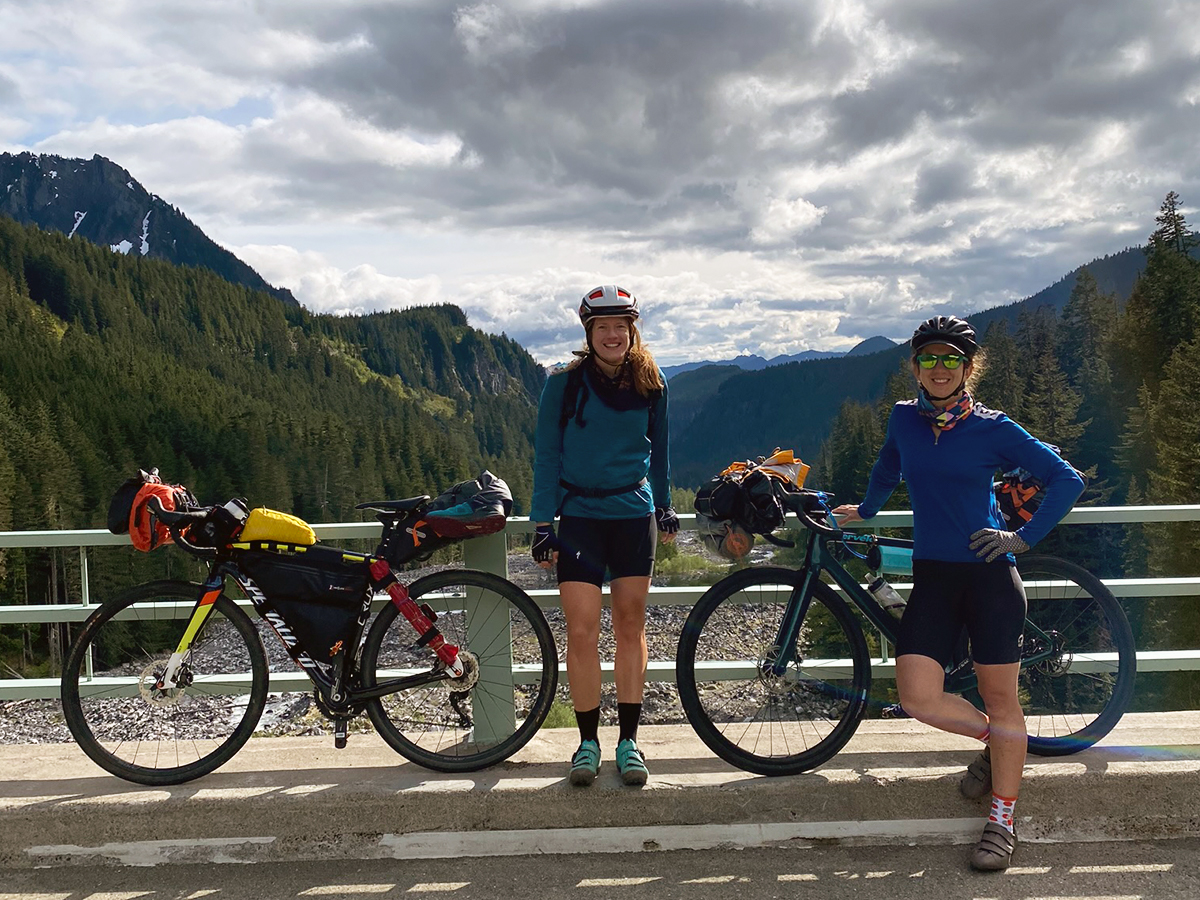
point(1162, 870)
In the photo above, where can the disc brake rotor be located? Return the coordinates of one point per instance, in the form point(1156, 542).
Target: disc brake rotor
point(1058, 663)
point(150, 679)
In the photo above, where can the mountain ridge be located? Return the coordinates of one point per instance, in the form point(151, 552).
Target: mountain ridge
point(793, 405)
point(99, 200)
point(752, 362)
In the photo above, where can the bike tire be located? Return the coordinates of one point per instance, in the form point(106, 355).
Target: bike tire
point(128, 727)
point(431, 725)
point(1075, 697)
point(777, 725)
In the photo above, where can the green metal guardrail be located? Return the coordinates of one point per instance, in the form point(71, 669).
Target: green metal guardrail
point(490, 554)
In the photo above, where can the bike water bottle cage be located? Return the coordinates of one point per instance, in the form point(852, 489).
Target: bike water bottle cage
point(948, 360)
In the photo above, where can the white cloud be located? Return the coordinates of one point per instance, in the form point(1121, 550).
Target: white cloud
point(766, 175)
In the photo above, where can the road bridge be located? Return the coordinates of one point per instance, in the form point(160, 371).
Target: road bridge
point(294, 799)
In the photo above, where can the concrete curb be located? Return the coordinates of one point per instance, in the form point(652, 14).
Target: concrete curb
point(297, 798)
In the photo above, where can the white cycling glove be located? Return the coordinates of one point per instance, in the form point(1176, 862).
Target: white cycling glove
point(992, 542)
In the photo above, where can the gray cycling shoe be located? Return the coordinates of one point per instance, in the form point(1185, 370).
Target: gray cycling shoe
point(977, 780)
point(995, 849)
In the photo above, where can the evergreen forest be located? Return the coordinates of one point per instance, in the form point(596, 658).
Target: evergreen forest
point(111, 363)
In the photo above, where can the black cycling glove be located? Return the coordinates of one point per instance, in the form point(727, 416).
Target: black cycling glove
point(992, 542)
point(545, 542)
point(666, 519)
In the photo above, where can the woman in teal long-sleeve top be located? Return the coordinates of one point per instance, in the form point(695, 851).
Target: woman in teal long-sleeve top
point(601, 464)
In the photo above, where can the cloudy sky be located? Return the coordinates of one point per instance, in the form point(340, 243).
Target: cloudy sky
point(766, 176)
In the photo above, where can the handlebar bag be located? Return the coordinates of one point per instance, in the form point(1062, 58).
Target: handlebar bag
point(128, 511)
point(319, 591)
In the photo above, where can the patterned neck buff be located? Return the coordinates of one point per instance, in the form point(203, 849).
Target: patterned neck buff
point(947, 418)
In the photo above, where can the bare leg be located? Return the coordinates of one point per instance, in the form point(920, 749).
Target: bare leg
point(629, 629)
point(581, 603)
point(920, 681)
point(998, 688)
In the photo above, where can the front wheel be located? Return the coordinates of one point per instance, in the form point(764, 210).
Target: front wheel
point(767, 723)
point(1078, 659)
point(493, 709)
point(126, 722)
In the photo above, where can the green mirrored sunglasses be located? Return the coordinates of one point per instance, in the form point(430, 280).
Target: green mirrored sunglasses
point(949, 360)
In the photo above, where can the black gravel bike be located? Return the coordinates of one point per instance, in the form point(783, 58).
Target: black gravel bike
point(801, 694)
point(167, 681)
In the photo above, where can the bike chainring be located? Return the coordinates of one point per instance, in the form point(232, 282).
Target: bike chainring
point(343, 711)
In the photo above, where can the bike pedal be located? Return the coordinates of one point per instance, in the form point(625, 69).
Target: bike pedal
point(340, 731)
point(895, 711)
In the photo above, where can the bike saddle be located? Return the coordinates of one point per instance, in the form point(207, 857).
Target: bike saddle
point(395, 506)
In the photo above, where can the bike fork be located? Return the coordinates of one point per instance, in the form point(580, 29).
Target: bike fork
point(200, 614)
point(384, 579)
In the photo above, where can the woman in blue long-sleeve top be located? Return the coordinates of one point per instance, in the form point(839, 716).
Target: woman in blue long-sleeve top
point(601, 463)
point(947, 449)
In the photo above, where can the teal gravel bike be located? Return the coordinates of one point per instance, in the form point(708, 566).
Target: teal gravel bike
point(774, 669)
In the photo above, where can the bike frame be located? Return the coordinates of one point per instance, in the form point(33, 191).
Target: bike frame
point(819, 556)
point(337, 683)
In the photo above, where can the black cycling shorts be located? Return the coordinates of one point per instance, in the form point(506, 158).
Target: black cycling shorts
point(590, 547)
point(987, 598)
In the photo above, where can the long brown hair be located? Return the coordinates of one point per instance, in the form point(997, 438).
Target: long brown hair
point(639, 371)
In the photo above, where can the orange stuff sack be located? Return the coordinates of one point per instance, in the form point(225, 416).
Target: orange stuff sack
point(129, 512)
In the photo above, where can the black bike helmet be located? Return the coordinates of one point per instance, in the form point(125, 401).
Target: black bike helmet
point(951, 330)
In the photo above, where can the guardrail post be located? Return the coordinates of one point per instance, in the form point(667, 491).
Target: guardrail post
point(488, 553)
point(85, 599)
point(494, 708)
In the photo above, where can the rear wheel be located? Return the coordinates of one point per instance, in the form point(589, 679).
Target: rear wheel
point(497, 705)
point(126, 723)
point(1082, 679)
point(758, 721)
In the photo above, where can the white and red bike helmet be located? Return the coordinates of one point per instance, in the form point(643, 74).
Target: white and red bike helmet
point(607, 300)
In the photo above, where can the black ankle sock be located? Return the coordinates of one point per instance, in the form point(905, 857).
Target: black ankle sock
point(628, 716)
point(589, 723)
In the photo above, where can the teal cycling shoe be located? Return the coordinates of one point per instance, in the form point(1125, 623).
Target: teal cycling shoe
point(631, 763)
point(585, 764)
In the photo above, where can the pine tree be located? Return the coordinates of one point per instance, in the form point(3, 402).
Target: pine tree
point(1001, 385)
point(1172, 232)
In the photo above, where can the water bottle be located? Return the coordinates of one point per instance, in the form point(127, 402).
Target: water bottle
point(887, 597)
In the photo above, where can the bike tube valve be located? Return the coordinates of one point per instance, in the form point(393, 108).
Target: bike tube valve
point(381, 574)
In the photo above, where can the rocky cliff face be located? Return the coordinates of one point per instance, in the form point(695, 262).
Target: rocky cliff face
point(98, 200)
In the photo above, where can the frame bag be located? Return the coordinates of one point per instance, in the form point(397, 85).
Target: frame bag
point(318, 590)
